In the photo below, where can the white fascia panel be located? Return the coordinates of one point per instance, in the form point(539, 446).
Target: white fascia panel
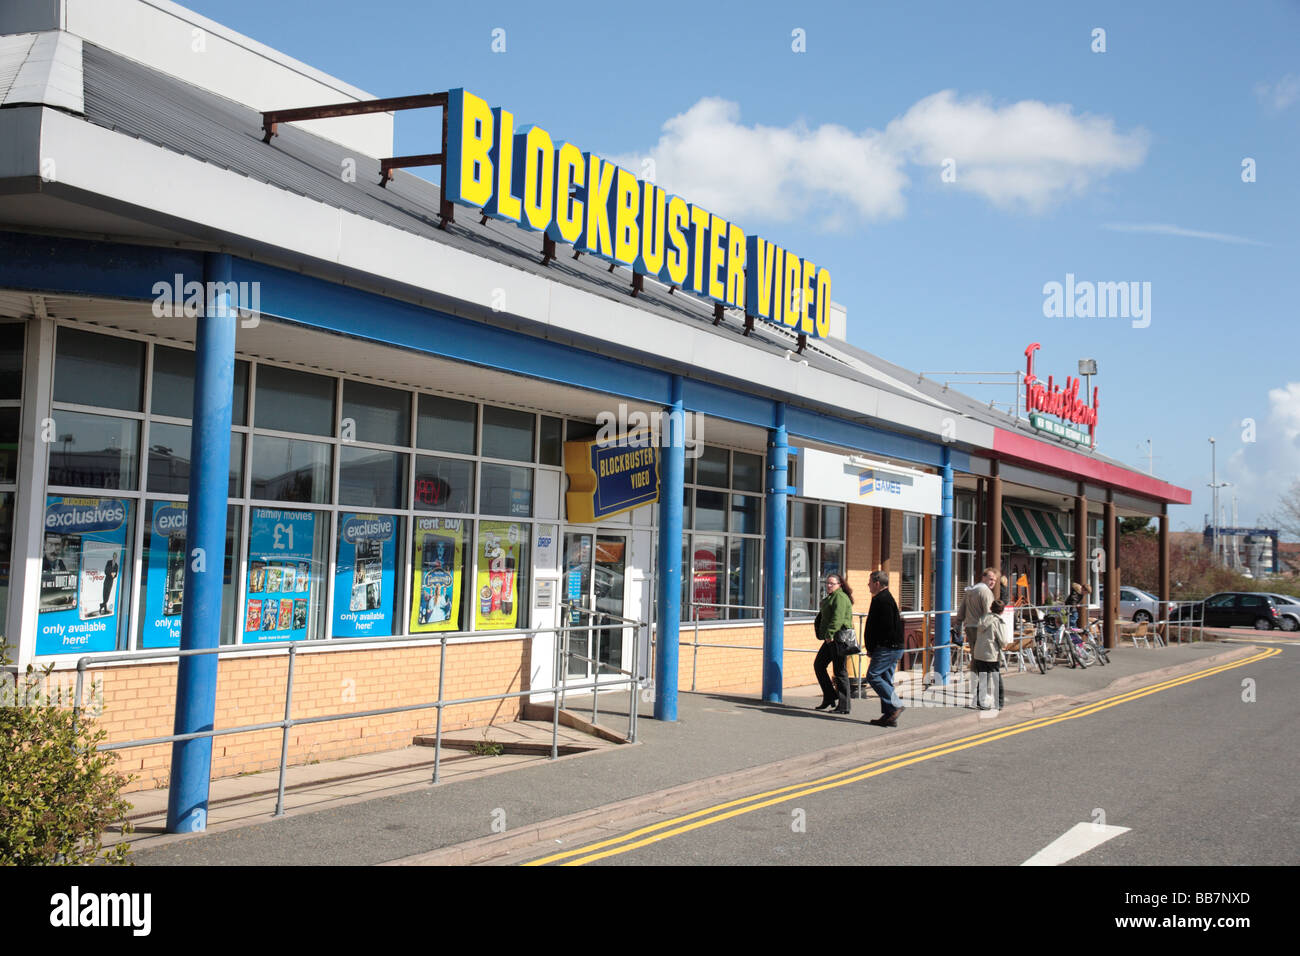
point(592, 315)
point(380, 250)
point(132, 171)
point(854, 397)
point(109, 164)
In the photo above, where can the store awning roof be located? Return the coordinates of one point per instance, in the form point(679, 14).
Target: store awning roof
point(1034, 532)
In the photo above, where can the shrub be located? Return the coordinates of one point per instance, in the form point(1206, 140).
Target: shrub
point(58, 794)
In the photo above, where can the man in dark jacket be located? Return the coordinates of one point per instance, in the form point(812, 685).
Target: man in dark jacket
point(884, 640)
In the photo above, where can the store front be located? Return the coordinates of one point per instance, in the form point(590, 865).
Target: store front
point(416, 405)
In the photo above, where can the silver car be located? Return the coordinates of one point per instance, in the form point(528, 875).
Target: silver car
point(1288, 611)
point(1138, 606)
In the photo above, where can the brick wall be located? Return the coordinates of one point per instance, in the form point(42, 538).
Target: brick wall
point(726, 669)
point(139, 701)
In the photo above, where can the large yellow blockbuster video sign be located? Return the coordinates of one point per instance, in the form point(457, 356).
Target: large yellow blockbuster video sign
point(600, 208)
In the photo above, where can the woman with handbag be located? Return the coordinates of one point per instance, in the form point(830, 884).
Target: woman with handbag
point(836, 615)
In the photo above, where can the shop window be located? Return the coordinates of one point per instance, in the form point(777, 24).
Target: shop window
point(444, 424)
point(747, 472)
point(708, 567)
point(832, 560)
point(11, 360)
point(9, 424)
point(710, 510)
point(105, 371)
point(802, 520)
point(550, 445)
point(711, 468)
point(580, 431)
point(6, 548)
point(507, 433)
point(94, 451)
point(746, 514)
point(169, 460)
point(909, 591)
point(800, 563)
point(501, 585)
point(376, 414)
point(293, 401)
point(367, 556)
point(288, 469)
point(162, 593)
point(438, 574)
point(370, 478)
point(286, 565)
point(506, 490)
point(172, 390)
point(832, 521)
point(444, 484)
point(743, 577)
point(86, 563)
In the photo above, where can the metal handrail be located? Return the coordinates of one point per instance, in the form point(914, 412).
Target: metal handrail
point(294, 648)
point(595, 694)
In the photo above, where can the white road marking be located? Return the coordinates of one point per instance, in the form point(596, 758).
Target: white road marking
point(1076, 841)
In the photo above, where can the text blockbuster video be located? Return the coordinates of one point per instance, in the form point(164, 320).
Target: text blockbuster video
point(602, 209)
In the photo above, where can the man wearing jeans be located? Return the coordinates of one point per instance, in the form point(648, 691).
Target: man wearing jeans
point(884, 642)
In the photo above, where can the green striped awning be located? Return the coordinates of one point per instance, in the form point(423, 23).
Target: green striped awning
point(1034, 532)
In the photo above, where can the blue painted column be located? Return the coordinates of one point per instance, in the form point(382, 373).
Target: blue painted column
point(196, 682)
point(672, 481)
point(778, 457)
point(943, 569)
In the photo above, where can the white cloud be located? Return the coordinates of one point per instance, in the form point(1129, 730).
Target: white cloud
point(1026, 154)
point(775, 173)
point(1170, 230)
point(1281, 94)
point(1263, 470)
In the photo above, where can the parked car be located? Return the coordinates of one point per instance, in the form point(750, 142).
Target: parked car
point(1288, 608)
point(1232, 609)
point(1136, 605)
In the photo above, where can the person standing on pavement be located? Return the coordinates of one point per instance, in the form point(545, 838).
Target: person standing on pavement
point(975, 603)
point(986, 654)
point(835, 614)
point(884, 642)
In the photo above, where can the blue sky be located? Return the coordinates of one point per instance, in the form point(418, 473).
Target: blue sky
point(1123, 165)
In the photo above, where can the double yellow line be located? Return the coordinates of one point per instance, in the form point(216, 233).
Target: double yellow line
point(734, 808)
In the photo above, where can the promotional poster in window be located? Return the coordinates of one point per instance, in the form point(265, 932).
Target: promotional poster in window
point(281, 558)
point(164, 592)
point(437, 574)
point(365, 575)
point(496, 595)
point(84, 553)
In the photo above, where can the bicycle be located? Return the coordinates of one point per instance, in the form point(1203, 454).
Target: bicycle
point(1097, 642)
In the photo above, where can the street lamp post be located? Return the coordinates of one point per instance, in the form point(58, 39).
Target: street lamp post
point(1214, 504)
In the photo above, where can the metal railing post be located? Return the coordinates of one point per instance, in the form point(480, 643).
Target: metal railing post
point(437, 727)
point(595, 687)
point(284, 734)
point(555, 698)
point(695, 640)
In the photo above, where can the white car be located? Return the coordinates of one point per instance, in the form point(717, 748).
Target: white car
point(1137, 605)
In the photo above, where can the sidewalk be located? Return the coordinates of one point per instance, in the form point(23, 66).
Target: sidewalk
point(383, 807)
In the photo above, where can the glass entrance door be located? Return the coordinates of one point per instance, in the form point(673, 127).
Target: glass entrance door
point(595, 566)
